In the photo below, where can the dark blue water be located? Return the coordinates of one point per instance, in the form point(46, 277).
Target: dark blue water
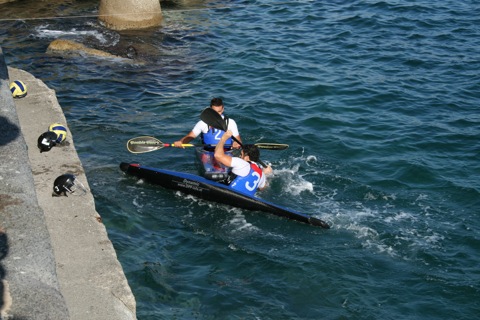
point(379, 102)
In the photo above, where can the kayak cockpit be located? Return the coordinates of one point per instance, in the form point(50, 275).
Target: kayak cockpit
point(210, 168)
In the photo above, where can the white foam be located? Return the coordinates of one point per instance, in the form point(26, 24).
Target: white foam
point(240, 223)
point(293, 182)
point(105, 38)
point(362, 220)
point(137, 202)
point(399, 217)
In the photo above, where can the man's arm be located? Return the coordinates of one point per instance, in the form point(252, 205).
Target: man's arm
point(268, 170)
point(232, 125)
point(189, 137)
point(220, 154)
point(200, 127)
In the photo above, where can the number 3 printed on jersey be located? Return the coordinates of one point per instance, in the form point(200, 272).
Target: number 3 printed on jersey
point(252, 186)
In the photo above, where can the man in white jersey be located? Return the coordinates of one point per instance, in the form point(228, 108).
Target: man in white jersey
point(247, 175)
point(211, 136)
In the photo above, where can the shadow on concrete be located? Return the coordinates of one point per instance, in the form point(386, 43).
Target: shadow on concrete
point(3, 254)
point(3, 66)
point(10, 131)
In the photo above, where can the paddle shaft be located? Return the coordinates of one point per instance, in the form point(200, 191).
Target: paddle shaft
point(145, 144)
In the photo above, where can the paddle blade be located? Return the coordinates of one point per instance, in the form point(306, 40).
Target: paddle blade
point(144, 144)
point(213, 119)
point(271, 146)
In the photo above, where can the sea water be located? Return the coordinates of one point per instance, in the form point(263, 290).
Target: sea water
point(379, 102)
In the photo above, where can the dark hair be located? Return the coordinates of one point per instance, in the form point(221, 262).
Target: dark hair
point(252, 151)
point(216, 102)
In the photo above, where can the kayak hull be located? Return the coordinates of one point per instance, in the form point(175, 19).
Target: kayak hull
point(213, 191)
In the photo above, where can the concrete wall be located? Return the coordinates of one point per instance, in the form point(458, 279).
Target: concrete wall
point(56, 261)
point(29, 288)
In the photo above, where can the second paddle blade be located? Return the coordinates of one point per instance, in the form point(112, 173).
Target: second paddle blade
point(271, 146)
point(213, 119)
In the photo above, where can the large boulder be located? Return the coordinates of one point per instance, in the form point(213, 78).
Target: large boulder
point(68, 46)
point(130, 14)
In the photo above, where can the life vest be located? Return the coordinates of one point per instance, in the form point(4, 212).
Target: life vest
point(249, 183)
point(213, 136)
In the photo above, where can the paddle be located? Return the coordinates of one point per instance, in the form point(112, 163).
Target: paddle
point(147, 144)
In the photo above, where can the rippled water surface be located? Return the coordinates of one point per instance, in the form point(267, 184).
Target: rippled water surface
point(379, 102)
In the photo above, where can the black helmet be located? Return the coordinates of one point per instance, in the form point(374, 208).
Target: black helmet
point(68, 183)
point(47, 141)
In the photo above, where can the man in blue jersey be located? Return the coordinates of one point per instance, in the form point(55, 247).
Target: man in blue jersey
point(211, 136)
point(248, 176)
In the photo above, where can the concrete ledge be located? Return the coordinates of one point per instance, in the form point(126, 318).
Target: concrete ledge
point(57, 259)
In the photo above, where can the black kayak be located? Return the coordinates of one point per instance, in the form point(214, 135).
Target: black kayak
point(213, 191)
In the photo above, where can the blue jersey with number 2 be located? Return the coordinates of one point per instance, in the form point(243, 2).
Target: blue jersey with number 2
point(213, 137)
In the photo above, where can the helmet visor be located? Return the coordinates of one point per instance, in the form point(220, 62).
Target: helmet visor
point(76, 188)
